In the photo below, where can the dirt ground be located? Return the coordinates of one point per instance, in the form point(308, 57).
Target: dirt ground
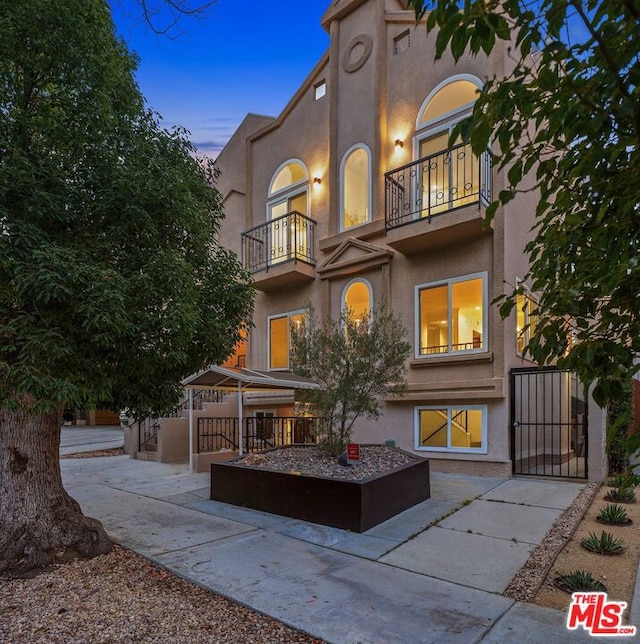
point(617, 573)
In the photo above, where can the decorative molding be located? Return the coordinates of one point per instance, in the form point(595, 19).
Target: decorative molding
point(351, 64)
point(370, 256)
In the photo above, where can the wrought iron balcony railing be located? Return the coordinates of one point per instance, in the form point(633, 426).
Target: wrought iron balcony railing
point(436, 184)
point(290, 237)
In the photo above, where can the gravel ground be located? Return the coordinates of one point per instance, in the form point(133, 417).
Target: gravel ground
point(310, 460)
point(121, 597)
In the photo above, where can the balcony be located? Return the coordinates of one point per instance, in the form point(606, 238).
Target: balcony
point(436, 201)
point(280, 252)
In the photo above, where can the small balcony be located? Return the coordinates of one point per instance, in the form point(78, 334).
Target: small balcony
point(281, 251)
point(436, 201)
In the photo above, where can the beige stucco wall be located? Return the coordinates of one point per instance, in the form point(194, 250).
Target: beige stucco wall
point(375, 104)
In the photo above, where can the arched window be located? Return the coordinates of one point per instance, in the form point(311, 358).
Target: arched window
point(288, 189)
point(355, 187)
point(449, 99)
point(290, 173)
point(288, 231)
point(449, 177)
point(357, 299)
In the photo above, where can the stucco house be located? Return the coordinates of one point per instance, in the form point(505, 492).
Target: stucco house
point(351, 196)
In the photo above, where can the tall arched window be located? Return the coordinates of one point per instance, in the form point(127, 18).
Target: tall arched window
point(355, 187)
point(449, 177)
point(288, 234)
point(357, 299)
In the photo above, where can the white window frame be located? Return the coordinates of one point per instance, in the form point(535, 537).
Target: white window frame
point(320, 90)
point(292, 190)
point(449, 409)
point(348, 285)
point(451, 114)
point(292, 186)
point(526, 332)
point(288, 314)
point(345, 156)
point(485, 315)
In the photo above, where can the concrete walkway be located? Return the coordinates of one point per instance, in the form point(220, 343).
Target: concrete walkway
point(401, 581)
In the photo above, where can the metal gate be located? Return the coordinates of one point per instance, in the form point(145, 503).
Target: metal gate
point(549, 423)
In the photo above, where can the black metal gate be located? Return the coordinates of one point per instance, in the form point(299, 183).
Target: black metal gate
point(549, 423)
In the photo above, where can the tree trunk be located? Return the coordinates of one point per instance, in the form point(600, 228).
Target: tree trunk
point(39, 522)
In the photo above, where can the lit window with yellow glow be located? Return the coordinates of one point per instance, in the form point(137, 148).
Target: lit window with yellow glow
point(288, 236)
point(451, 316)
point(457, 428)
point(449, 176)
point(357, 300)
point(526, 320)
point(453, 97)
point(355, 187)
point(279, 338)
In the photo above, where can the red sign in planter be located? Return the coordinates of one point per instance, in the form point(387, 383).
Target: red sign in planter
point(355, 505)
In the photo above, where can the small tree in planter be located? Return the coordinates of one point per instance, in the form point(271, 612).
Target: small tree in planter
point(357, 361)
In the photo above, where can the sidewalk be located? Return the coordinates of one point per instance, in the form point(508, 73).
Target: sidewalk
point(398, 582)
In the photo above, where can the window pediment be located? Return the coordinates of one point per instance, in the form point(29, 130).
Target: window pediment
point(352, 256)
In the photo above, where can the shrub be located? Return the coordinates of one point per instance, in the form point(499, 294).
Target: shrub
point(605, 544)
point(579, 580)
point(621, 495)
point(624, 480)
point(613, 514)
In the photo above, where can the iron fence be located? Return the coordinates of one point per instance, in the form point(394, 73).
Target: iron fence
point(258, 433)
point(549, 423)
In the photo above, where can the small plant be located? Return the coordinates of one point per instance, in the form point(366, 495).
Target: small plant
point(605, 544)
point(621, 495)
point(579, 581)
point(613, 514)
point(624, 480)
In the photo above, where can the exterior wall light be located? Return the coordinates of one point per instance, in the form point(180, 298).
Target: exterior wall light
point(317, 180)
point(399, 144)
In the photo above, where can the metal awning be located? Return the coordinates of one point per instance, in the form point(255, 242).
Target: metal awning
point(249, 379)
point(240, 380)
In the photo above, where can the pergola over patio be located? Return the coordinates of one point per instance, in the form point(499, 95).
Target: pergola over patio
point(240, 380)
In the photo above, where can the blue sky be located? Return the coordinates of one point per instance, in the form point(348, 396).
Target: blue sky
point(239, 57)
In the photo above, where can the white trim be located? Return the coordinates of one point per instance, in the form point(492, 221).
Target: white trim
point(320, 86)
point(288, 314)
point(448, 409)
point(527, 293)
point(348, 285)
point(451, 79)
point(291, 186)
point(485, 315)
point(434, 130)
point(345, 156)
point(302, 187)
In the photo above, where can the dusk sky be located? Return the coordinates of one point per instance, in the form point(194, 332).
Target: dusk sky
point(239, 57)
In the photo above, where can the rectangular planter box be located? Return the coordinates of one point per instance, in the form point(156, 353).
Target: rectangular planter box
point(350, 505)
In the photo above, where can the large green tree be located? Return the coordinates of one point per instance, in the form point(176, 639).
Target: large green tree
point(112, 285)
point(565, 123)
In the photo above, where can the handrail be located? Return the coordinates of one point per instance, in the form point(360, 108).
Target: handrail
point(279, 219)
point(258, 432)
point(435, 184)
point(289, 237)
